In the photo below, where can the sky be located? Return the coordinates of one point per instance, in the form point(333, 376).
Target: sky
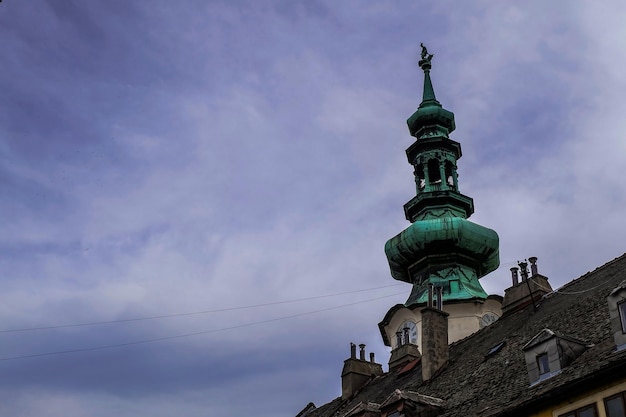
point(195, 195)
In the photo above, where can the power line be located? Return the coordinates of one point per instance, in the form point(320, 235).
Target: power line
point(158, 339)
point(193, 313)
point(164, 316)
point(558, 290)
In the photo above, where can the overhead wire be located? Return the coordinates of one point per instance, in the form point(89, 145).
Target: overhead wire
point(218, 310)
point(558, 290)
point(158, 339)
point(192, 313)
point(133, 319)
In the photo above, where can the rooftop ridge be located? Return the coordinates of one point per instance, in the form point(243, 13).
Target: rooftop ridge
point(586, 275)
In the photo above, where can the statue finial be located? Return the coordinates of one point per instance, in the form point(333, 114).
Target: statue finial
point(426, 58)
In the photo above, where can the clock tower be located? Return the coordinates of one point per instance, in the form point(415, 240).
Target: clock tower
point(440, 248)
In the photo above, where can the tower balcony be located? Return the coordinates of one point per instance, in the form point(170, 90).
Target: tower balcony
point(437, 202)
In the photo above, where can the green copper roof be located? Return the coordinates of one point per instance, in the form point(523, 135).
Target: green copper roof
point(459, 283)
point(428, 244)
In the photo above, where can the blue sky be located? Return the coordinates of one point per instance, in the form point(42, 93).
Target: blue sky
point(159, 158)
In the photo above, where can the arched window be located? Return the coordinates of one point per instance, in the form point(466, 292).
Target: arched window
point(419, 177)
point(434, 175)
point(449, 168)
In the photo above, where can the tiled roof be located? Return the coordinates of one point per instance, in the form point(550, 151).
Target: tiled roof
point(473, 383)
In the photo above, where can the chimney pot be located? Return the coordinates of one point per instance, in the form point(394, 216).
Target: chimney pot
point(372, 357)
point(362, 351)
point(398, 339)
point(533, 266)
point(523, 270)
point(352, 350)
point(406, 335)
point(514, 275)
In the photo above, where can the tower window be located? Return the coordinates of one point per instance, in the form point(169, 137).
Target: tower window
point(434, 175)
point(419, 177)
point(543, 363)
point(449, 177)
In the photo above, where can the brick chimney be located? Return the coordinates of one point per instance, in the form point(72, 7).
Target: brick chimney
point(404, 352)
point(528, 291)
point(357, 372)
point(435, 352)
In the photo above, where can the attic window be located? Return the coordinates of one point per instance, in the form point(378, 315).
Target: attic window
point(497, 348)
point(543, 364)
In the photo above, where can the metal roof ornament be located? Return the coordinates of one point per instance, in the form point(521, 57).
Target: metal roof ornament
point(426, 57)
point(428, 97)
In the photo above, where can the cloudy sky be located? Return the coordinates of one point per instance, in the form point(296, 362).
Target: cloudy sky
point(227, 173)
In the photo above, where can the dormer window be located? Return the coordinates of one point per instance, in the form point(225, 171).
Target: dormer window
point(617, 313)
point(410, 404)
point(547, 354)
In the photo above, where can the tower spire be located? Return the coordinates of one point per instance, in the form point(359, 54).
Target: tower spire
point(430, 119)
point(428, 97)
point(441, 247)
